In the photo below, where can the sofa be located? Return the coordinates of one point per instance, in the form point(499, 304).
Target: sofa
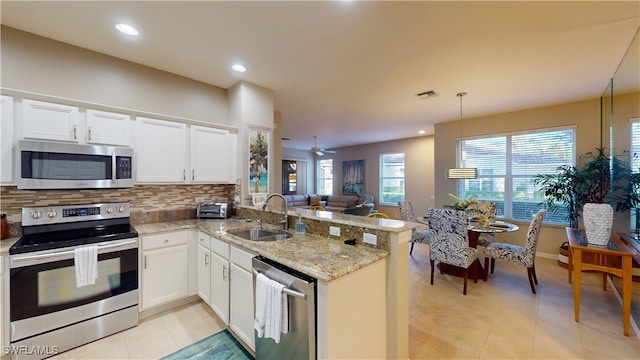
point(335, 203)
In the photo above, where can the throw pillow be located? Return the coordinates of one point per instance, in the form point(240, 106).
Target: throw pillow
point(314, 200)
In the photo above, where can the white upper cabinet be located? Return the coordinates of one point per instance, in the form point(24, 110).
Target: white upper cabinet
point(107, 128)
point(210, 154)
point(49, 121)
point(7, 139)
point(161, 148)
point(172, 152)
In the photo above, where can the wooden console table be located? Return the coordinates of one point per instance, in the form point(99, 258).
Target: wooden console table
point(604, 261)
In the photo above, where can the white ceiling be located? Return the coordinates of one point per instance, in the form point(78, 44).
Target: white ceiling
point(349, 71)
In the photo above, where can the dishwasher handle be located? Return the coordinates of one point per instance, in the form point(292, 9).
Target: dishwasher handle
point(286, 290)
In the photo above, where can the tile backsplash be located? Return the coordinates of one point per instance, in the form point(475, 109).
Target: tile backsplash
point(149, 203)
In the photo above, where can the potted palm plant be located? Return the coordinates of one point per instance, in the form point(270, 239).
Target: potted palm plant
point(592, 182)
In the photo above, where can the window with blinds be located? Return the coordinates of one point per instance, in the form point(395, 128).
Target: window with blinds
point(391, 178)
point(325, 177)
point(635, 145)
point(635, 158)
point(506, 164)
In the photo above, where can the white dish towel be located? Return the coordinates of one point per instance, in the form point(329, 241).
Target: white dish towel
point(272, 313)
point(86, 265)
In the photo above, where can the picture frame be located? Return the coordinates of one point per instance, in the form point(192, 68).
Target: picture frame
point(353, 177)
point(258, 159)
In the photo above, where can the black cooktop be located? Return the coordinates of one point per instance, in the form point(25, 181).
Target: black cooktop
point(71, 238)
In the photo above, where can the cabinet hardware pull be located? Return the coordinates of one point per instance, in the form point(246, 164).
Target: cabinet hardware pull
point(193, 174)
point(206, 259)
point(75, 130)
point(145, 261)
point(184, 174)
point(89, 133)
point(224, 272)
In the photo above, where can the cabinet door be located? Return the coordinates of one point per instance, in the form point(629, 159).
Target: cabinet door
point(220, 286)
point(241, 305)
point(164, 275)
point(161, 151)
point(204, 274)
point(210, 154)
point(7, 139)
point(48, 121)
point(107, 128)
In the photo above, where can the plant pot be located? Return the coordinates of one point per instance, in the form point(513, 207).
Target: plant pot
point(563, 255)
point(598, 220)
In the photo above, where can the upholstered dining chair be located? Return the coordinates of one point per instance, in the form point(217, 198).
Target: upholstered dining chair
point(521, 255)
point(421, 236)
point(449, 242)
point(488, 210)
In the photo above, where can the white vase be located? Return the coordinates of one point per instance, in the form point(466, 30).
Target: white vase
point(598, 219)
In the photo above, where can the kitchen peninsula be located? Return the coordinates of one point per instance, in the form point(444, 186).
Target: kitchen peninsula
point(362, 291)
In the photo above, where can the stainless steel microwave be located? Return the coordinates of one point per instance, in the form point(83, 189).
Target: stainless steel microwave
point(49, 165)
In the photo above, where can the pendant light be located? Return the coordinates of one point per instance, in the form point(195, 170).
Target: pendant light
point(461, 173)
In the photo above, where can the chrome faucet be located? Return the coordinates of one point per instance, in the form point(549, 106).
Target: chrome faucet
point(285, 220)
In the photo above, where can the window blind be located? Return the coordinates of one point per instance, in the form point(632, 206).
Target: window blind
point(507, 164)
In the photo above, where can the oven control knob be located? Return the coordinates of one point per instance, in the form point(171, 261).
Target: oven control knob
point(121, 209)
point(109, 210)
point(51, 213)
point(36, 215)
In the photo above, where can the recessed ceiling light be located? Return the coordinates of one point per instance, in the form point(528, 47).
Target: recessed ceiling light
point(422, 132)
point(127, 29)
point(239, 68)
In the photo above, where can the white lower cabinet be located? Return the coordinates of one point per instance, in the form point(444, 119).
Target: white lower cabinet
point(204, 267)
point(165, 268)
point(204, 274)
point(220, 279)
point(241, 312)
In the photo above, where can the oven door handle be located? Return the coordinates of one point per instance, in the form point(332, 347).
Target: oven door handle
point(51, 256)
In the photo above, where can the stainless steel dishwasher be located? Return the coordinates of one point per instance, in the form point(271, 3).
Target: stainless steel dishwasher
point(300, 341)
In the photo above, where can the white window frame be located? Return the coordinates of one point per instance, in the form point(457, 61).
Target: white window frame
point(383, 178)
point(634, 134)
point(508, 200)
point(320, 181)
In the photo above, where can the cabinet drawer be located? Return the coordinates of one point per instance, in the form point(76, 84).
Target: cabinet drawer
point(164, 240)
point(220, 247)
point(241, 258)
point(204, 240)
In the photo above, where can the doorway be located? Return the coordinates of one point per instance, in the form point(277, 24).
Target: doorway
point(294, 179)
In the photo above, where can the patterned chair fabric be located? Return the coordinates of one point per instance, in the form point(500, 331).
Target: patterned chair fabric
point(417, 236)
point(450, 241)
point(488, 209)
point(521, 255)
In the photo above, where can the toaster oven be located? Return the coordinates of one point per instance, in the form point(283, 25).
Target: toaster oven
point(214, 210)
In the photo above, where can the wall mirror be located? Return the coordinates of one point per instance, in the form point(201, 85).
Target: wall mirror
point(620, 103)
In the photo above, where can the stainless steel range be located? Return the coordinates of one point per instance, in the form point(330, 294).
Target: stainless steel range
point(50, 311)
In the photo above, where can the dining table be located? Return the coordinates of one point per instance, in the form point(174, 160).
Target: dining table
point(474, 229)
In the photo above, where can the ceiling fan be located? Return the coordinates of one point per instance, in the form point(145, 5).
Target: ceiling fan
point(318, 151)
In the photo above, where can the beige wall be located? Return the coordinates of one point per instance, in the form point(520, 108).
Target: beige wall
point(583, 115)
point(419, 163)
point(39, 65)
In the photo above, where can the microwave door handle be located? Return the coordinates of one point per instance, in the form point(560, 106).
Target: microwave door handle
point(113, 167)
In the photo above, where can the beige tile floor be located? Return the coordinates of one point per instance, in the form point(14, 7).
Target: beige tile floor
point(502, 319)
point(498, 319)
point(154, 337)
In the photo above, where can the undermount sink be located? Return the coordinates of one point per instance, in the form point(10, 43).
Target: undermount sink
point(260, 234)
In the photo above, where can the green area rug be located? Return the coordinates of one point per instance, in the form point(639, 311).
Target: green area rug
point(219, 346)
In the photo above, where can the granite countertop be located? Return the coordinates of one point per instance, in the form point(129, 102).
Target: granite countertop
point(320, 257)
